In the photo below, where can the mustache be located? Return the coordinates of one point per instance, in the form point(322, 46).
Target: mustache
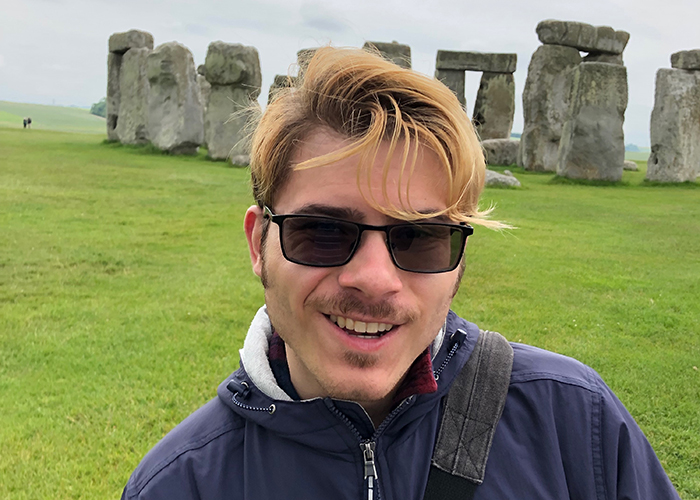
point(346, 304)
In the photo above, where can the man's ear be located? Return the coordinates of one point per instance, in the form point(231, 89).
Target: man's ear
point(252, 224)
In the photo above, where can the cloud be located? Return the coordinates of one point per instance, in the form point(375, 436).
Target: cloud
point(319, 17)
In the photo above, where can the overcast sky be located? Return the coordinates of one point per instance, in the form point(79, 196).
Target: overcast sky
point(55, 51)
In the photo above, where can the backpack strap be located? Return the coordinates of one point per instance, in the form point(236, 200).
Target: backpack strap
point(472, 410)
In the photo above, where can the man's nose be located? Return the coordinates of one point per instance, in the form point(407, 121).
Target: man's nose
point(371, 270)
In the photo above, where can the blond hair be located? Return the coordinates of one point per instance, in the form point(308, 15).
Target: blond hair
point(368, 100)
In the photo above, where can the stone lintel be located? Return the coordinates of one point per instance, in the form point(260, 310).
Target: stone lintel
point(476, 61)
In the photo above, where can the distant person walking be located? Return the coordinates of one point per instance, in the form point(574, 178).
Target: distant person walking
point(29, 122)
point(24, 122)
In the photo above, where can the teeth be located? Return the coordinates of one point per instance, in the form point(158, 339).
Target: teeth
point(360, 326)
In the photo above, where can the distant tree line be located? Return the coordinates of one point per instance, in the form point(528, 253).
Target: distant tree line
point(100, 108)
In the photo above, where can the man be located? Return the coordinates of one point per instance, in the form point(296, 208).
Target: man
point(366, 178)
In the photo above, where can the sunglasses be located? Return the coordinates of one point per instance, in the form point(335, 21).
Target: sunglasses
point(419, 247)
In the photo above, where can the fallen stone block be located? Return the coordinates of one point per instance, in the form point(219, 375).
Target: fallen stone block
point(395, 52)
point(494, 108)
point(476, 61)
point(592, 144)
point(132, 125)
point(455, 81)
point(501, 151)
point(630, 166)
point(686, 59)
point(119, 43)
point(582, 36)
point(675, 127)
point(545, 105)
point(175, 111)
point(494, 179)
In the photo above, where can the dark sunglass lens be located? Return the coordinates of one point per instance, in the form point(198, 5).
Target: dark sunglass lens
point(317, 241)
point(426, 247)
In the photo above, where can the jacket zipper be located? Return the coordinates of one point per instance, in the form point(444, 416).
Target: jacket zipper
point(367, 446)
point(370, 468)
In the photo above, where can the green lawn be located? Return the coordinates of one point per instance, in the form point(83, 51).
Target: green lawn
point(125, 292)
point(58, 118)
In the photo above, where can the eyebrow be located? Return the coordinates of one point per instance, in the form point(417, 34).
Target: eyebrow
point(352, 214)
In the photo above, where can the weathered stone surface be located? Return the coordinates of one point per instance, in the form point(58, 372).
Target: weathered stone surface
point(453, 80)
point(119, 43)
point(545, 104)
point(175, 112)
point(395, 52)
point(114, 64)
point(280, 82)
point(202, 70)
point(204, 90)
point(592, 143)
point(603, 57)
point(675, 127)
point(501, 151)
point(686, 59)
point(132, 125)
point(233, 63)
point(495, 106)
point(476, 61)
point(225, 123)
point(494, 179)
point(582, 36)
point(630, 165)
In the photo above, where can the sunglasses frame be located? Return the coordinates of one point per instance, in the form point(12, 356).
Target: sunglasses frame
point(463, 227)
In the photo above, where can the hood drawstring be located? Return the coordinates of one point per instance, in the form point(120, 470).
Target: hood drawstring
point(242, 390)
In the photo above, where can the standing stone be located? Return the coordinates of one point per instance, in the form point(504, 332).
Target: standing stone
point(495, 106)
point(453, 80)
point(686, 59)
point(582, 36)
point(233, 70)
point(545, 104)
point(204, 90)
point(593, 143)
point(114, 64)
point(280, 82)
point(395, 52)
point(132, 125)
point(304, 56)
point(675, 127)
point(175, 113)
point(119, 43)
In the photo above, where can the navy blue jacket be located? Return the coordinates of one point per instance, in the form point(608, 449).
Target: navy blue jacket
point(563, 434)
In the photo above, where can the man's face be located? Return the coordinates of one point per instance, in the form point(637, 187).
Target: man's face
point(304, 302)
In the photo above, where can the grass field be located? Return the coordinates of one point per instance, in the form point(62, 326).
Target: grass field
point(58, 118)
point(125, 292)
